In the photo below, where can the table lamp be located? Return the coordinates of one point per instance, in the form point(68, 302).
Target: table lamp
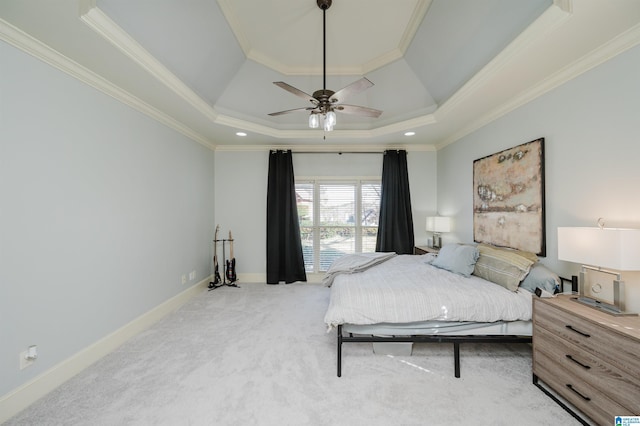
point(606, 250)
point(437, 225)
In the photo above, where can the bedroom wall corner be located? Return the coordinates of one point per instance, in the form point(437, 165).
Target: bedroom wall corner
point(423, 176)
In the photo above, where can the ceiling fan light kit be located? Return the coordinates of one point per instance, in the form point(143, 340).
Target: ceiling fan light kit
point(327, 102)
point(314, 120)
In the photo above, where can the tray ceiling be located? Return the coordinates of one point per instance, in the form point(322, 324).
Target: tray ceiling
point(440, 67)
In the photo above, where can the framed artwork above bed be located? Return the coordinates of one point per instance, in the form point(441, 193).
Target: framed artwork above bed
point(508, 198)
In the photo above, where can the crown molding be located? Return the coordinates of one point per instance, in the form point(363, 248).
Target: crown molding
point(414, 23)
point(234, 23)
point(28, 44)
point(607, 51)
point(329, 148)
point(99, 22)
point(398, 127)
point(403, 126)
point(552, 18)
point(565, 5)
point(382, 60)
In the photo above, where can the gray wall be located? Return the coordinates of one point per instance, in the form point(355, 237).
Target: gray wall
point(241, 194)
point(102, 210)
point(591, 127)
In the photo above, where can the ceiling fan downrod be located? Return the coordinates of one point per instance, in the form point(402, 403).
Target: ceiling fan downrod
point(326, 102)
point(324, 5)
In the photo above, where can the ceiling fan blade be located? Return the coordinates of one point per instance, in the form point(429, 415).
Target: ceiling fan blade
point(352, 89)
point(273, 114)
point(358, 110)
point(289, 88)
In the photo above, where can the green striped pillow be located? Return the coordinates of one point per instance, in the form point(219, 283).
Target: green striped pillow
point(504, 267)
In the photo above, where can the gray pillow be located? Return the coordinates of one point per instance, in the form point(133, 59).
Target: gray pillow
point(540, 276)
point(457, 258)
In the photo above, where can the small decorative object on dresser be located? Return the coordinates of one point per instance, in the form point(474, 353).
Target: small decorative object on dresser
point(587, 357)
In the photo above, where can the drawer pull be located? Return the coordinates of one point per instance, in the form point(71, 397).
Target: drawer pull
point(586, 398)
point(588, 367)
point(570, 327)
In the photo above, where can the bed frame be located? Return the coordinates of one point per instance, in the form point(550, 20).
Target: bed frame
point(456, 340)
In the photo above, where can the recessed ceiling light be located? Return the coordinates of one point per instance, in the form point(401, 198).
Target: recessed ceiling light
point(241, 134)
point(409, 133)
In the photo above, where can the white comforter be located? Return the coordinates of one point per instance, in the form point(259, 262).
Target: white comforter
point(406, 288)
point(354, 263)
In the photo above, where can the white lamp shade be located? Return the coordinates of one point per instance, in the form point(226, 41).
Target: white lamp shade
point(438, 224)
point(612, 248)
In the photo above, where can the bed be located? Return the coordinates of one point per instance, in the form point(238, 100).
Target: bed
point(467, 293)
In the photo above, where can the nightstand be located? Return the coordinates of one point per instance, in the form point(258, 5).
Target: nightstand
point(587, 357)
point(425, 250)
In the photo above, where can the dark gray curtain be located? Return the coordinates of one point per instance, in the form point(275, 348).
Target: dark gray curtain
point(395, 227)
point(284, 248)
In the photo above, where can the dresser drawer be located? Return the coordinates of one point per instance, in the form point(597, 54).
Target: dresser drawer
point(602, 342)
point(582, 395)
point(585, 367)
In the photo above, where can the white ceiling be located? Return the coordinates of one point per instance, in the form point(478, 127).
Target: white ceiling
point(441, 68)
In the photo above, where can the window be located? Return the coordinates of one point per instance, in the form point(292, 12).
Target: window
point(336, 218)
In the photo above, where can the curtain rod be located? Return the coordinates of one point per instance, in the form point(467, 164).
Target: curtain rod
point(337, 152)
point(332, 152)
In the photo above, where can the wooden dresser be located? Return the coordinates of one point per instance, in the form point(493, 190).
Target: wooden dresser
point(588, 357)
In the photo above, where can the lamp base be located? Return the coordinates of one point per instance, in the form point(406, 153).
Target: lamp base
point(603, 307)
point(615, 307)
point(437, 242)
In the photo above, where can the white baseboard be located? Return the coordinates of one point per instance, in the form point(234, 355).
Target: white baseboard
point(20, 398)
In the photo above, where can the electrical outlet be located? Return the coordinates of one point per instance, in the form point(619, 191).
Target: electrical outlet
point(192, 275)
point(184, 279)
point(28, 357)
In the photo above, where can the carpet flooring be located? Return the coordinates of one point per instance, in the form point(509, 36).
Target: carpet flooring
point(261, 355)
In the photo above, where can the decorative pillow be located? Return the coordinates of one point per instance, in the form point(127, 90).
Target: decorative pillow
point(526, 254)
point(457, 258)
point(540, 276)
point(504, 267)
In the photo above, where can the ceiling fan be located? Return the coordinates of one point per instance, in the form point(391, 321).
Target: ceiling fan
point(325, 102)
